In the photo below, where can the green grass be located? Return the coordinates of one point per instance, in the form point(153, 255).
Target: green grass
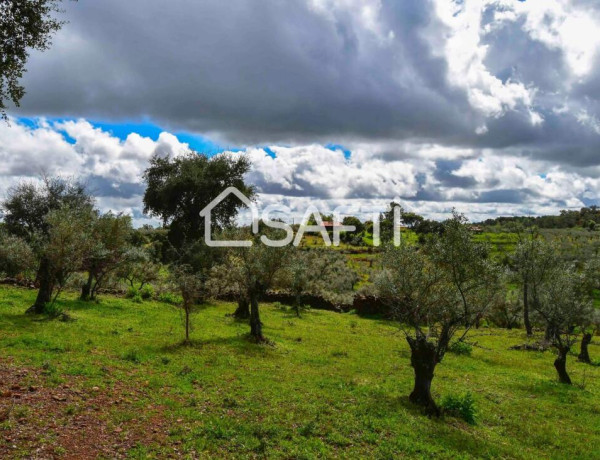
point(334, 385)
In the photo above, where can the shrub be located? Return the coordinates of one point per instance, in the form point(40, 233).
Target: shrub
point(137, 298)
point(147, 291)
point(461, 348)
point(461, 407)
point(132, 292)
point(170, 298)
point(53, 310)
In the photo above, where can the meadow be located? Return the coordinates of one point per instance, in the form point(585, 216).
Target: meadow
point(116, 381)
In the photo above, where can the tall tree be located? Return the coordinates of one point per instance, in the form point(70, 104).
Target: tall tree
point(25, 25)
point(25, 214)
point(179, 188)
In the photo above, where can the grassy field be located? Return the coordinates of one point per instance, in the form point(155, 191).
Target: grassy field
point(116, 381)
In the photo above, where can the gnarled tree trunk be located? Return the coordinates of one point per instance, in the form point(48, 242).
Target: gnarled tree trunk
point(243, 309)
point(45, 280)
point(560, 363)
point(255, 324)
point(584, 355)
point(423, 359)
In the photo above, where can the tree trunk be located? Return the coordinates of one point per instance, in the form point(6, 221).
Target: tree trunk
point(423, 359)
point(86, 289)
point(561, 366)
point(584, 355)
point(297, 301)
point(243, 309)
point(44, 278)
point(255, 324)
point(187, 323)
point(526, 319)
point(548, 334)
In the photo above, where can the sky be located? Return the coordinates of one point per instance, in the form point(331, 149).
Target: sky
point(488, 106)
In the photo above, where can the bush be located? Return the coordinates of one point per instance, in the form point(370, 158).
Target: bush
point(53, 310)
point(132, 292)
point(137, 298)
point(461, 348)
point(461, 407)
point(170, 298)
point(147, 291)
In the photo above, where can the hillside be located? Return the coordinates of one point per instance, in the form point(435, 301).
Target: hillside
point(115, 381)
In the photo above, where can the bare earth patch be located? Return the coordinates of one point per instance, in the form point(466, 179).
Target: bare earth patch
point(70, 421)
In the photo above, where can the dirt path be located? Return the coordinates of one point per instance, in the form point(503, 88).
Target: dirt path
point(71, 421)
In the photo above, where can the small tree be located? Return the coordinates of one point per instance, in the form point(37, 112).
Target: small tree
point(320, 273)
point(255, 269)
point(531, 262)
point(137, 268)
point(69, 242)
point(430, 305)
point(192, 288)
point(563, 306)
point(110, 237)
point(225, 283)
point(465, 262)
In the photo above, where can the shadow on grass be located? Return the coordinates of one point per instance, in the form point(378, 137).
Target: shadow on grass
point(243, 343)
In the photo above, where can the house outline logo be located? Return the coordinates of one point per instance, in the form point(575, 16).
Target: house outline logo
point(207, 214)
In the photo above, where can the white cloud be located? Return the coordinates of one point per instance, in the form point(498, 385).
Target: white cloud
point(427, 178)
point(465, 55)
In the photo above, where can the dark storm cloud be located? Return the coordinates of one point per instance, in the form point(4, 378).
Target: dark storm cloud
point(305, 72)
point(256, 71)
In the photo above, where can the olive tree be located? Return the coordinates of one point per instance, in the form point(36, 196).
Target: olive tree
point(256, 269)
point(137, 268)
point(109, 244)
point(68, 244)
point(320, 273)
point(25, 215)
point(589, 329)
point(531, 262)
point(563, 306)
point(432, 303)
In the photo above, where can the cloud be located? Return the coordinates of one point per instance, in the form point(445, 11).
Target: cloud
point(489, 103)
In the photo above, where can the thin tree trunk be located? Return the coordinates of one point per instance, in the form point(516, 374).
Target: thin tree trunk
point(297, 305)
point(187, 324)
point(561, 366)
point(423, 359)
point(243, 309)
point(584, 355)
point(44, 277)
point(526, 319)
point(255, 324)
point(86, 289)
